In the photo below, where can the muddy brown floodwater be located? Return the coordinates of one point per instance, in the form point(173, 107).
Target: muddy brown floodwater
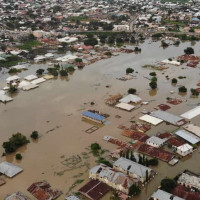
point(54, 110)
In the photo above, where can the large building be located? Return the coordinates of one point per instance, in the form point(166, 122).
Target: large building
point(133, 169)
point(190, 180)
point(111, 177)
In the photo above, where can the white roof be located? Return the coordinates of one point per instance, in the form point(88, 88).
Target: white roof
point(130, 98)
point(49, 55)
point(19, 67)
point(39, 80)
point(72, 197)
point(4, 98)
point(12, 78)
point(2, 92)
point(151, 119)
point(185, 147)
point(191, 113)
point(193, 129)
point(9, 169)
point(66, 58)
point(188, 136)
point(125, 106)
point(30, 77)
point(132, 167)
point(156, 140)
point(162, 195)
point(30, 86)
point(17, 196)
point(23, 83)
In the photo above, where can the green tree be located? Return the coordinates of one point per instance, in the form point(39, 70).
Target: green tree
point(168, 184)
point(132, 91)
point(18, 156)
point(134, 190)
point(174, 80)
point(129, 70)
point(40, 71)
point(189, 50)
point(63, 72)
point(153, 85)
point(34, 135)
point(182, 89)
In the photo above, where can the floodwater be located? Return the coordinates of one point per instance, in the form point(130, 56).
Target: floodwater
point(54, 110)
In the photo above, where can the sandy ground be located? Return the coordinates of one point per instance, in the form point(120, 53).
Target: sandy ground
point(54, 109)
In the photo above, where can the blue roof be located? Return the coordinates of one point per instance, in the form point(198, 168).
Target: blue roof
point(94, 115)
point(195, 19)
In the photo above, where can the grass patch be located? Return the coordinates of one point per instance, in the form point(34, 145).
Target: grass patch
point(28, 45)
point(152, 67)
point(10, 61)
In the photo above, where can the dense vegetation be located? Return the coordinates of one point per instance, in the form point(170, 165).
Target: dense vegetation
point(17, 140)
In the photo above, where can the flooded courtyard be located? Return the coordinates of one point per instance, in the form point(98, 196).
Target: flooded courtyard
point(54, 110)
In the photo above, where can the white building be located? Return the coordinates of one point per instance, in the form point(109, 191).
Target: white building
point(156, 141)
point(189, 180)
point(133, 169)
point(184, 149)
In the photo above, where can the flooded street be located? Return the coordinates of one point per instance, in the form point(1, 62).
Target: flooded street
point(54, 110)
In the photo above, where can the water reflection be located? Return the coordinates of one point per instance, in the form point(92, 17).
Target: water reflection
point(153, 92)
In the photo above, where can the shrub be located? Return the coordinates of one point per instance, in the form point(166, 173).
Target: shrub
point(18, 156)
point(129, 70)
point(34, 135)
point(71, 69)
point(132, 91)
point(182, 89)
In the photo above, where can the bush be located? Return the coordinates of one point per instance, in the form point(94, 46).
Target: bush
point(152, 73)
point(17, 140)
point(182, 89)
point(129, 70)
point(153, 85)
point(105, 162)
point(189, 50)
point(168, 184)
point(34, 135)
point(18, 156)
point(132, 91)
point(63, 72)
point(40, 71)
point(174, 80)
